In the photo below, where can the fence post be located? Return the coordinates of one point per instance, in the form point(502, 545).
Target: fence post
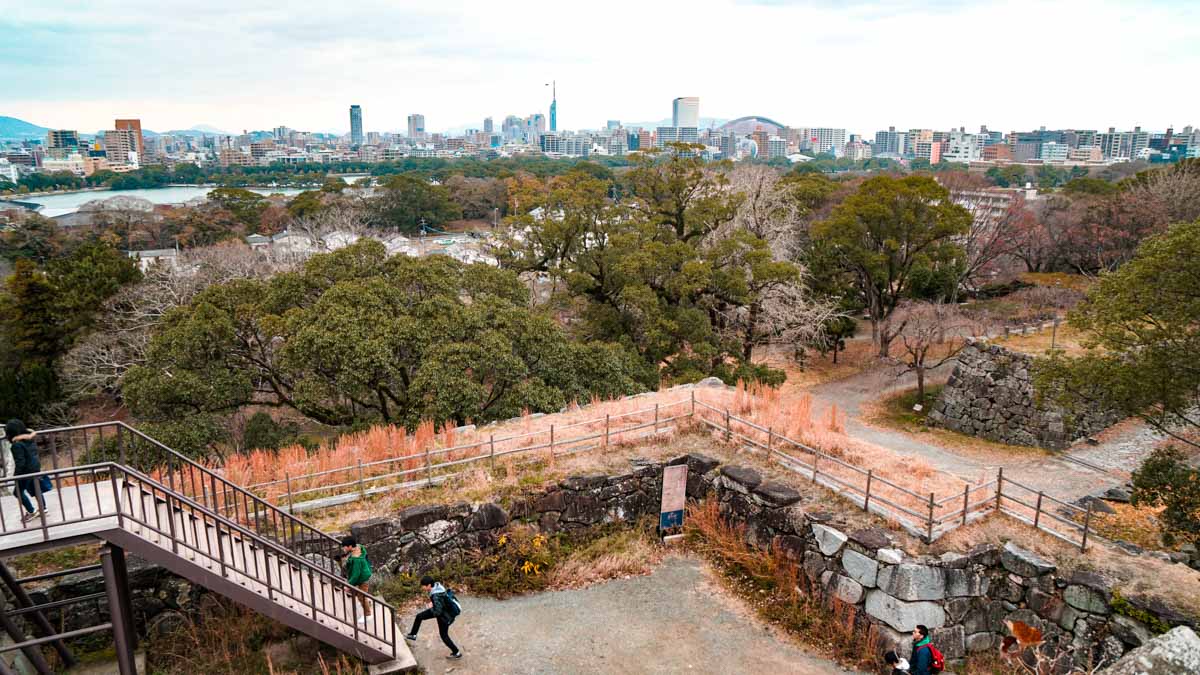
point(428, 467)
point(291, 505)
point(655, 419)
point(693, 403)
point(867, 498)
point(362, 489)
point(816, 456)
point(770, 442)
point(999, 487)
point(551, 445)
point(1053, 333)
point(1087, 522)
point(121, 444)
point(492, 451)
point(605, 431)
point(929, 530)
point(966, 501)
point(1037, 512)
point(728, 430)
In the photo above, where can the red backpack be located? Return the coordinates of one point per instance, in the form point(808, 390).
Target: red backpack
point(937, 662)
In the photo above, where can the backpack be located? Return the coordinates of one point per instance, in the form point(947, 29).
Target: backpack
point(937, 662)
point(453, 609)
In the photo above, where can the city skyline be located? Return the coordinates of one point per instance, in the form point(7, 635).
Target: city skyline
point(460, 64)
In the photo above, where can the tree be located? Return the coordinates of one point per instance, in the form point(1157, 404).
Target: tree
point(246, 206)
point(406, 202)
point(478, 198)
point(680, 191)
point(931, 333)
point(835, 331)
point(997, 222)
point(358, 336)
point(882, 232)
point(1166, 480)
point(1142, 328)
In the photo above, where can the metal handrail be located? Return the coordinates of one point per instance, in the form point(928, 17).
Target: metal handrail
point(331, 543)
point(184, 504)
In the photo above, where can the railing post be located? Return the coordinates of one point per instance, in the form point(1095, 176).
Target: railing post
point(606, 421)
point(693, 404)
point(966, 501)
point(551, 445)
point(1037, 512)
point(121, 444)
point(999, 487)
point(867, 498)
point(1087, 523)
point(291, 505)
point(428, 467)
point(929, 527)
point(655, 419)
point(492, 450)
point(728, 429)
point(770, 442)
point(816, 457)
point(362, 489)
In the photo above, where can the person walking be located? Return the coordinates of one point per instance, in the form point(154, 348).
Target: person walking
point(898, 664)
point(25, 462)
point(923, 653)
point(358, 573)
point(444, 608)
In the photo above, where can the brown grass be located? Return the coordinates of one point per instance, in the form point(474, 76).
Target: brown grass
point(818, 369)
point(1075, 282)
point(1068, 339)
point(1135, 524)
point(624, 553)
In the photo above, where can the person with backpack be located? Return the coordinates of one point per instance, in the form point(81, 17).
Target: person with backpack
point(898, 664)
point(926, 659)
point(358, 571)
point(25, 461)
point(444, 608)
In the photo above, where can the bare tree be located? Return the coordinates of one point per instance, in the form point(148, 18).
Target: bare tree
point(766, 209)
point(97, 363)
point(931, 334)
point(998, 218)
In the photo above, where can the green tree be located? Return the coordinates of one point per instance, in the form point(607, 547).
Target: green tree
point(882, 233)
point(1142, 329)
point(405, 202)
point(1165, 479)
point(357, 336)
point(246, 206)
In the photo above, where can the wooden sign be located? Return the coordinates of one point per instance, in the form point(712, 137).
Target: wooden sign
point(674, 498)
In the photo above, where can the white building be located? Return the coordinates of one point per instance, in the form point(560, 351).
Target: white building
point(685, 112)
point(828, 140)
point(1055, 153)
point(8, 171)
point(158, 256)
point(962, 147)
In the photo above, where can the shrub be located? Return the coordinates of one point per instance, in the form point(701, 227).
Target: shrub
point(1165, 479)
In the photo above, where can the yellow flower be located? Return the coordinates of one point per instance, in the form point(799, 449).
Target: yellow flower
point(503, 540)
point(538, 541)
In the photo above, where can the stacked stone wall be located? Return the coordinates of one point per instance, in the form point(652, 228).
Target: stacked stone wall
point(990, 395)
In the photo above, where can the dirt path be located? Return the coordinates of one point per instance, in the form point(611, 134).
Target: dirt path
point(675, 620)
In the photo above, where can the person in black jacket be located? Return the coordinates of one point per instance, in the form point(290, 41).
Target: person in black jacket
point(440, 609)
point(25, 461)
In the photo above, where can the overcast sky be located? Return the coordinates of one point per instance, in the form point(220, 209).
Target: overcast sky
point(249, 64)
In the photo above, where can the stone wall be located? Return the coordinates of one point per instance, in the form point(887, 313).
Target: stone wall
point(966, 598)
point(990, 394)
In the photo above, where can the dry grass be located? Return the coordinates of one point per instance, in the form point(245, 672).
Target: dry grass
point(1075, 282)
point(1135, 524)
point(1067, 339)
point(624, 553)
point(772, 584)
point(818, 368)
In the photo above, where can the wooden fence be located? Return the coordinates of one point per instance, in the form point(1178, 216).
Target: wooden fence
point(922, 514)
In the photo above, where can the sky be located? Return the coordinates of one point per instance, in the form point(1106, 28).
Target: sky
point(860, 65)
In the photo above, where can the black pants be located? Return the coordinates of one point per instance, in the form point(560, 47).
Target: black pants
point(443, 628)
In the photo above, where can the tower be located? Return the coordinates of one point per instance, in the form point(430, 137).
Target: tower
point(356, 134)
point(553, 105)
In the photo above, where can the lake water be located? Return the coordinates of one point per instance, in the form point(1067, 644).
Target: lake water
point(61, 204)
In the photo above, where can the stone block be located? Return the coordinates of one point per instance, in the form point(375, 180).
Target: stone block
point(829, 540)
point(583, 509)
point(891, 556)
point(847, 590)
point(1045, 605)
point(814, 565)
point(416, 517)
point(776, 494)
point(440, 531)
point(908, 581)
point(859, 567)
point(744, 476)
point(1086, 599)
point(1025, 563)
point(904, 616)
point(584, 482)
point(871, 538)
point(790, 545)
point(951, 641)
point(979, 642)
point(488, 517)
point(962, 582)
point(1130, 631)
point(375, 529)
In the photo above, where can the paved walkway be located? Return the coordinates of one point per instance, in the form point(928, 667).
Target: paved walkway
point(674, 620)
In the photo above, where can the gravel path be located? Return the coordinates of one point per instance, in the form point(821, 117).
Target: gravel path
point(674, 620)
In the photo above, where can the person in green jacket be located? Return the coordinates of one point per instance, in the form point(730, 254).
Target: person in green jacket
point(358, 572)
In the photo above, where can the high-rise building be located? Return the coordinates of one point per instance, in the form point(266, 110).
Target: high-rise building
point(487, 125)
point(62, 142)
point(553, 106)
point(685, 112)
point(120, 147)
point(136, 127)
point(356, 134)
point(613, 124)
point(828, 141)
point(776, 147)
point(416, 126)
point(760, 137)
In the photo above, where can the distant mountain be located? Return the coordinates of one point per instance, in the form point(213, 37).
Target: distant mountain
point(13, 128)
point(197, 130)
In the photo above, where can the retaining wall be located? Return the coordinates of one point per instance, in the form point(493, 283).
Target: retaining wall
point(990, 394)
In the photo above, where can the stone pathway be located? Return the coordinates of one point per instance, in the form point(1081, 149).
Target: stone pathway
point(674, 620)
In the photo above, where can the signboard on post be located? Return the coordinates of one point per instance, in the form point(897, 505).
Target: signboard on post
point(674, 499)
